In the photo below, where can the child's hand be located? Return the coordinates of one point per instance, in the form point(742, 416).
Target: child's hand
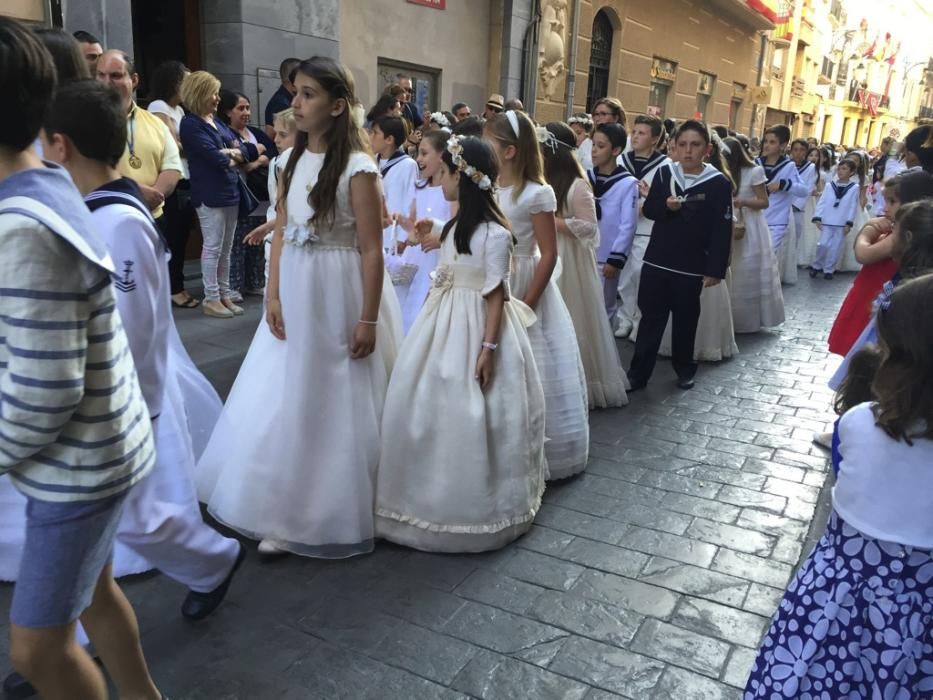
point(430, 242)
point(256, 236)
point(485, 368)
point(819, 225)
point(610, 272)
point(674, 203)
point(363, 342)
point(643, 188)
point(275, 319)
point(774, 186)
point(423, 228)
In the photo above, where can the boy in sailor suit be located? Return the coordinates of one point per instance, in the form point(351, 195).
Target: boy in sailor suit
point(643, 161)
point(834, 215)
point(784, 183)
point(806, 171)
point(161, 520)
point(690, 203)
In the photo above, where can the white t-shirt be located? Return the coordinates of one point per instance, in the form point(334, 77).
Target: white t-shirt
point(163, 107)
point(885, 487)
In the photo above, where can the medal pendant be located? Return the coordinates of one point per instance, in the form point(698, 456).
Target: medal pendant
point(135, 161)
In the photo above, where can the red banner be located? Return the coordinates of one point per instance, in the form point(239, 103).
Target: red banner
point(436, 4)
point(768, 8)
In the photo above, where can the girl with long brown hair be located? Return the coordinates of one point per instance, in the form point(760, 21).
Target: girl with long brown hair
point(530, 206)
point(580, 282)
point(298, 473)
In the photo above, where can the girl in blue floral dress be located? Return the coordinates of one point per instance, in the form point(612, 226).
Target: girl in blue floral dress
point(857, 620)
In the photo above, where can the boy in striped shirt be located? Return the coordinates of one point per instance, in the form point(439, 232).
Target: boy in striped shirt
point(74, 427)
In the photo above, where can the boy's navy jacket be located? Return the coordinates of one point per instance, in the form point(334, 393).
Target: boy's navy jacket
point(213, 182)
point(696, 239)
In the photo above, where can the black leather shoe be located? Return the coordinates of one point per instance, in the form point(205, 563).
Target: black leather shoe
point(685, 383)
point(197, 606)
point(637, 385)
point(827, 275)
point(813, 272)
point(15, 687)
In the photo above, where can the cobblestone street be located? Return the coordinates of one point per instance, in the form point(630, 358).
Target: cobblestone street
point(651, 576)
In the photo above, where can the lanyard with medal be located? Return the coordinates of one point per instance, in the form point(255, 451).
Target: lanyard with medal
point(135, 161)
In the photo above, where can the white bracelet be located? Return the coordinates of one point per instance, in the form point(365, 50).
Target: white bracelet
point(368, 323)
point(490, 346)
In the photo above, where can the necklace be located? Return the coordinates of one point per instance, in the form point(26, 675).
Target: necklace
point(134, 160)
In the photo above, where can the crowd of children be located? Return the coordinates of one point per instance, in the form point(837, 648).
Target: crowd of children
point(464, 294)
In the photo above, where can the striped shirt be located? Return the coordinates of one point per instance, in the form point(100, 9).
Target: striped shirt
point(73, 422)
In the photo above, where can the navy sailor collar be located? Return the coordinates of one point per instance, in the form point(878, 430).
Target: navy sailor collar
point(679, 179)
point(386, 164)
point(840, 190)
point(122, 191)
point(639, 167)
point(771, 171)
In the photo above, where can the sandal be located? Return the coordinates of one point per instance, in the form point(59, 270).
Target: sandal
point(188, 303)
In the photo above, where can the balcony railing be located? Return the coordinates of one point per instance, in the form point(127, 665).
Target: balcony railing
point(925, 113)
point(798, 87)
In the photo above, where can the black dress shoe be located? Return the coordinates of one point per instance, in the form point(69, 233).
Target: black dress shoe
point(197, 606)
point(685, 383)
point(15, 687)
point(637, 385)
point(827, 275)
point(813, 272)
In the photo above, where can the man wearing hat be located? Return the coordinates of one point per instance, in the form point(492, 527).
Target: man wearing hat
point(494, 105)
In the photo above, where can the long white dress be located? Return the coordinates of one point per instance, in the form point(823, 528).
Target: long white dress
point(715, 338)
point(430, 204)
point(581, 287)
point(553, 339)
point(847, 261)
point(806, 249)
point(294, 455)
point(787, 254)
point(755, 288)
point(463, 470)
point(190, 408)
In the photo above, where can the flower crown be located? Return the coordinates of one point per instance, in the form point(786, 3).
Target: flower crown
point(584, 120)
point(439, 119)
point(455, 149)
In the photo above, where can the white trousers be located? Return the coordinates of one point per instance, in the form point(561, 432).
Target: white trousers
point(631, 275)
point(777, 237)
point(829, 249)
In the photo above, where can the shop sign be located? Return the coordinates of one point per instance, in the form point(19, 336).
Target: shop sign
point(760, 95)
point(436, 4)
point(663, 71)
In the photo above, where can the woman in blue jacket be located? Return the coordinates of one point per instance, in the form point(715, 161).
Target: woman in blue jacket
point(213, 153)
point(247, 263)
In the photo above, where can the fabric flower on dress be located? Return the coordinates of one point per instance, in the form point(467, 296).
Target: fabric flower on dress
point(443, 277)
point(298, 234)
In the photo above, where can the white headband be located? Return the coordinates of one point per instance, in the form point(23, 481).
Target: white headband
point(513, 122)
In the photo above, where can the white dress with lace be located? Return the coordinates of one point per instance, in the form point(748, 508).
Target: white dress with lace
point(293, 458)
point(580, 285)
point(757, 299)
point(553, 338)
point(463, 470)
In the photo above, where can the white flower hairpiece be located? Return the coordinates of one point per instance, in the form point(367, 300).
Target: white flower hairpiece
point(584, 120)
point(723, 148)
point(439, 119)
point(455, 149)
point(549, 140)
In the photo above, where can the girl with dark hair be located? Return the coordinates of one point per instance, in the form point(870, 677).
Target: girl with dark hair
point(299, 474)
point(757, 299)
point(530, 205)
point(806, 243)
point(918, 149)
point(580, 281)
point(430, 203)
point(386, 106)
point(912, 249)
point(247, 263)
point(472, 481)
point(866, 588)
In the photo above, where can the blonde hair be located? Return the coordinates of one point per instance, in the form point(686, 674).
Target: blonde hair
point(528, 164)
point(287, 117)
point(198, 90)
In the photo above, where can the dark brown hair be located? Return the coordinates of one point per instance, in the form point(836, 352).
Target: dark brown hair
point(913, 247)
point(855, 388)
point(342, 138)
point(904, 402)
point(437, 138)
point(615, 106)
point(737, 159)
point(27, 79)
point(561, 167)
point(66, 54)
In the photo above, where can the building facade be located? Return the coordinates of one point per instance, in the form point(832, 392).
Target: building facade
point(849, 73)
point(669, 58)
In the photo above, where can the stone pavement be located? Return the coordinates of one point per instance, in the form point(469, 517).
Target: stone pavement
point(651, 576)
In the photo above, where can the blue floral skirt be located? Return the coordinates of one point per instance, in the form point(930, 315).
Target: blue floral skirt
point(856, 622)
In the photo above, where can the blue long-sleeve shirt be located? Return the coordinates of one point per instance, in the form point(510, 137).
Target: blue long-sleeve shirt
point(214, 182)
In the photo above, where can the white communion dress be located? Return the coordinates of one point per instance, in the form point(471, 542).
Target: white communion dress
point(463, 470)
point(757, 299)
point(553, 338)
point(429, 204)
point(581, 287)
point(293, 458)
point(847, 261)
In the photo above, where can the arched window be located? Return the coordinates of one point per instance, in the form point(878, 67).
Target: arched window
point(597, 86)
